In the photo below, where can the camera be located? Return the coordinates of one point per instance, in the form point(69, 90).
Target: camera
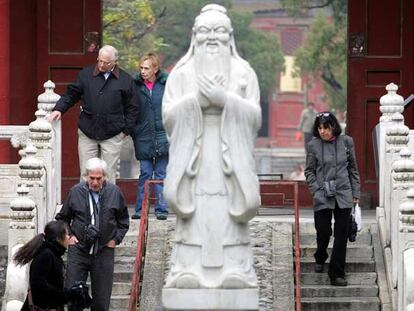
point(79, 293)
point(90, 234)
point(329, 188)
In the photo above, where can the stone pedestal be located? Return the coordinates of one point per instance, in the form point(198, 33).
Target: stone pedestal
point(210, 299)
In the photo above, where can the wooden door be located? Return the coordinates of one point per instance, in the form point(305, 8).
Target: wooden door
point(380, 51)
point(68, 38)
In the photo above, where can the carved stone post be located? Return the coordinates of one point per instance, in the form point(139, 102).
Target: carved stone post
point(40, 133)
point(403, 180)
point(31, 171)
point(396, 139)
point(389, 104)
point(46, 102)
point(406, 264)
point(21, 227)
point(21, 230)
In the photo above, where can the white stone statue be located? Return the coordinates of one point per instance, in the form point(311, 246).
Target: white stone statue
point(211, 112)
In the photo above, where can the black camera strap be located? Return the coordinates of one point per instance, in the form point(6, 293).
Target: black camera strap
point(323, 158)
point(95, 209)
point(95, 217)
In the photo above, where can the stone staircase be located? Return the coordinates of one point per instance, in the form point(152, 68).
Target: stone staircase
point(273, 250)
point(362, 292)
point(124, 263)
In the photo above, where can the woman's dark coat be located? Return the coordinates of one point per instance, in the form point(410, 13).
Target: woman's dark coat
point(46, 277)
point(150, 139)
point(339, 163)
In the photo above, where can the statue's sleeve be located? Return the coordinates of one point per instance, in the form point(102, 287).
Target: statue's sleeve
point(182, 121)
point(241, 122)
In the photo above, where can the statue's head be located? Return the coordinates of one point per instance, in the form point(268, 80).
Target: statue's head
point(212, 31)
point(212, 40)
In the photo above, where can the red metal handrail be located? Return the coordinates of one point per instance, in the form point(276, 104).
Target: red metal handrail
point(295, 185)
point(142, 236)
point(297, 247)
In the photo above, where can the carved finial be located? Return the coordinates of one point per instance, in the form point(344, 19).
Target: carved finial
point(40, 130)
point(31, 168)
point(403, 170)
point(397, 134)
point(22, 210)
point(391, 103)
point(48, 99)
point(407, 213)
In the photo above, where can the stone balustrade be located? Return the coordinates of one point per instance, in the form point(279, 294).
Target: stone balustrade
point(38, 182)
point(395, 213)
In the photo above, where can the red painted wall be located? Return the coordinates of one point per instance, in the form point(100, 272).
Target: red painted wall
point(4, 75)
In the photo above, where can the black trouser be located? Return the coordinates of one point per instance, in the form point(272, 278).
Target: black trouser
point(323, 226)
point(101, 269)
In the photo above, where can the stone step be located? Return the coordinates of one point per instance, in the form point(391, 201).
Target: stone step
point(363, 238)
point(352, 251)
point(355, 278)
point(339, 291)
point(125, 250)
point(122, 274)
point(124, 263)
point(309, 227)
point(119, 302)
point(121, 288)
point(341, 303)
point(307, 264)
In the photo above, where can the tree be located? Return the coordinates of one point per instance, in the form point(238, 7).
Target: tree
point(261, 49)
point(129, 26)
point(324, 53)
point(165, 26)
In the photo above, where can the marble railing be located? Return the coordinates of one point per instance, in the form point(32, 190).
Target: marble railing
point(395, 213)
point(32, 188)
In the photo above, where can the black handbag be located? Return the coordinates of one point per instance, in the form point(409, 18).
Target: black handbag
point(352, 226)
point(33, 307)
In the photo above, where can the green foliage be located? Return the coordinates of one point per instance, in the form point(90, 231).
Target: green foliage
point(324, 53)
point(176, 26)
point(261, 49)
point(129, 25)
point(164, 26)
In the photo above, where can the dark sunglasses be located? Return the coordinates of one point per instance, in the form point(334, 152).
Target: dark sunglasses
point(323, 114)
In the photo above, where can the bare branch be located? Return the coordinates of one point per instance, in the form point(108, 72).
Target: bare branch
point(149, 28)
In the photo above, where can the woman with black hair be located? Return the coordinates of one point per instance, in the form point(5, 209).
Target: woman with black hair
point(45, 252)
point(333, 179)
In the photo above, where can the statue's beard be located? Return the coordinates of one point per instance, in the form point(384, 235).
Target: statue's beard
point(211, 64)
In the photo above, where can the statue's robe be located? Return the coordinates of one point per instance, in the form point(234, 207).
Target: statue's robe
point(211, 181)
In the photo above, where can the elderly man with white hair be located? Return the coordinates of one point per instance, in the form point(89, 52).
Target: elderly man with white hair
point(98, 220)
point(108, 109)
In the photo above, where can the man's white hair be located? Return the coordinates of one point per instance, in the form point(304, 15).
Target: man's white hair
point(110, 50)
point(95, 164)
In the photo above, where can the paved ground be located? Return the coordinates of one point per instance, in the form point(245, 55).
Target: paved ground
point(288, 214)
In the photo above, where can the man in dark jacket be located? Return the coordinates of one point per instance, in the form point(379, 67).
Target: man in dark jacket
point(109, 109)
point(150, 139)
point(98, 220)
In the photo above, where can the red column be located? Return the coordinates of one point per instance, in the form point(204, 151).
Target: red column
point(4, 75)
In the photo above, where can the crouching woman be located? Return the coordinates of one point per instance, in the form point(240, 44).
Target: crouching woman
point(45, 253)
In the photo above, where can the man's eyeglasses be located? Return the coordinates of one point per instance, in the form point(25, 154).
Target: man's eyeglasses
point(104, 63)
point(323, 114)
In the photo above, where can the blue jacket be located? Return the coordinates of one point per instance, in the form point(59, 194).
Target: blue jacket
point(150, 139)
